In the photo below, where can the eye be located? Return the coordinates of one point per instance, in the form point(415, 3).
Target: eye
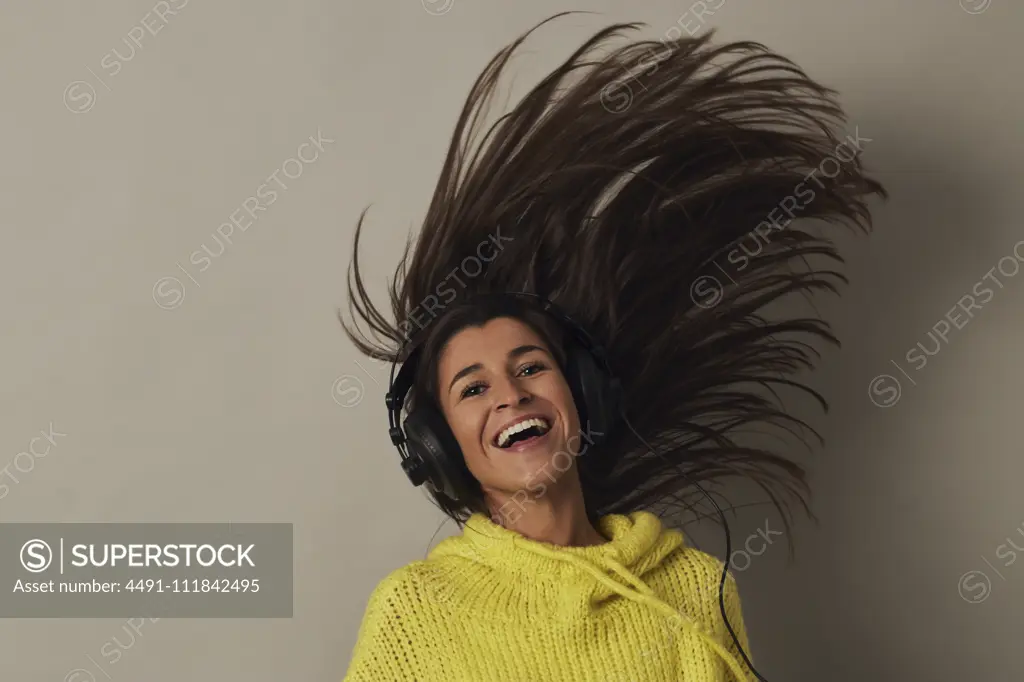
point(532, 368)
point(468, 391)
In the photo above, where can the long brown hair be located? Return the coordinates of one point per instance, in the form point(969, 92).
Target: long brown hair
point(637, 190)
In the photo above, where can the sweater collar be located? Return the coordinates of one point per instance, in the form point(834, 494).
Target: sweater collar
point(638, 543)
point(637, 540)
point(584, 577)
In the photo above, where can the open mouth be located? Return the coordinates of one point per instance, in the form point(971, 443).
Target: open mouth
point(523, 434)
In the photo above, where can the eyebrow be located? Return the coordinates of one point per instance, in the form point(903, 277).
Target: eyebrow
point(516, 352)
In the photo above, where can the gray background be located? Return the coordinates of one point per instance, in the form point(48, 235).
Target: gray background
point(245, 403)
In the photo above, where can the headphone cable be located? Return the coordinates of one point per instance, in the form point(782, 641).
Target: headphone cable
point(728, 548)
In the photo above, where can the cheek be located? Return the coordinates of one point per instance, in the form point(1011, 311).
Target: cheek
point(567, 406)
point(467, 427)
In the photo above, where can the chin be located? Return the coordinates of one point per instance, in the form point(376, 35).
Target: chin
point(543, 463)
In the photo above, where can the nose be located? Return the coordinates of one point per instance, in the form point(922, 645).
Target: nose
point(511, 393)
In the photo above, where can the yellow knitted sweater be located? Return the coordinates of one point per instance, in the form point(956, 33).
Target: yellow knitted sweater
point(491, 605)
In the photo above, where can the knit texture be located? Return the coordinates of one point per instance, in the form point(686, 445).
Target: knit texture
point(490, 605)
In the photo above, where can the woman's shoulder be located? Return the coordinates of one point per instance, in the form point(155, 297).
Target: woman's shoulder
point(397, 580)
point(401, 608)
point(689, 558)
point(418, 585)
point(696, 575)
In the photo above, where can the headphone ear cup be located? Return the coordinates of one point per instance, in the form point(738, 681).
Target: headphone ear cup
point(597, 395)
point(431, 441)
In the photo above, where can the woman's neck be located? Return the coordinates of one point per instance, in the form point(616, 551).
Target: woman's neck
point(555, 519)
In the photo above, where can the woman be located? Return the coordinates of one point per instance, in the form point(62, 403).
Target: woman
point(581, 331)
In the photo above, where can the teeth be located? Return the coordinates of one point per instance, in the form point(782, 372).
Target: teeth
point(503, 437)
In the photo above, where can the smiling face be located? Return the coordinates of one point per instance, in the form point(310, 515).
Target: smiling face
point(491, 379)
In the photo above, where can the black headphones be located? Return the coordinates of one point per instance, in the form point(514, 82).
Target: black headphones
point(429, 451)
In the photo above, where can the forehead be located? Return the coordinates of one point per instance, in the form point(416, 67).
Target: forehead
point(486, 344)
